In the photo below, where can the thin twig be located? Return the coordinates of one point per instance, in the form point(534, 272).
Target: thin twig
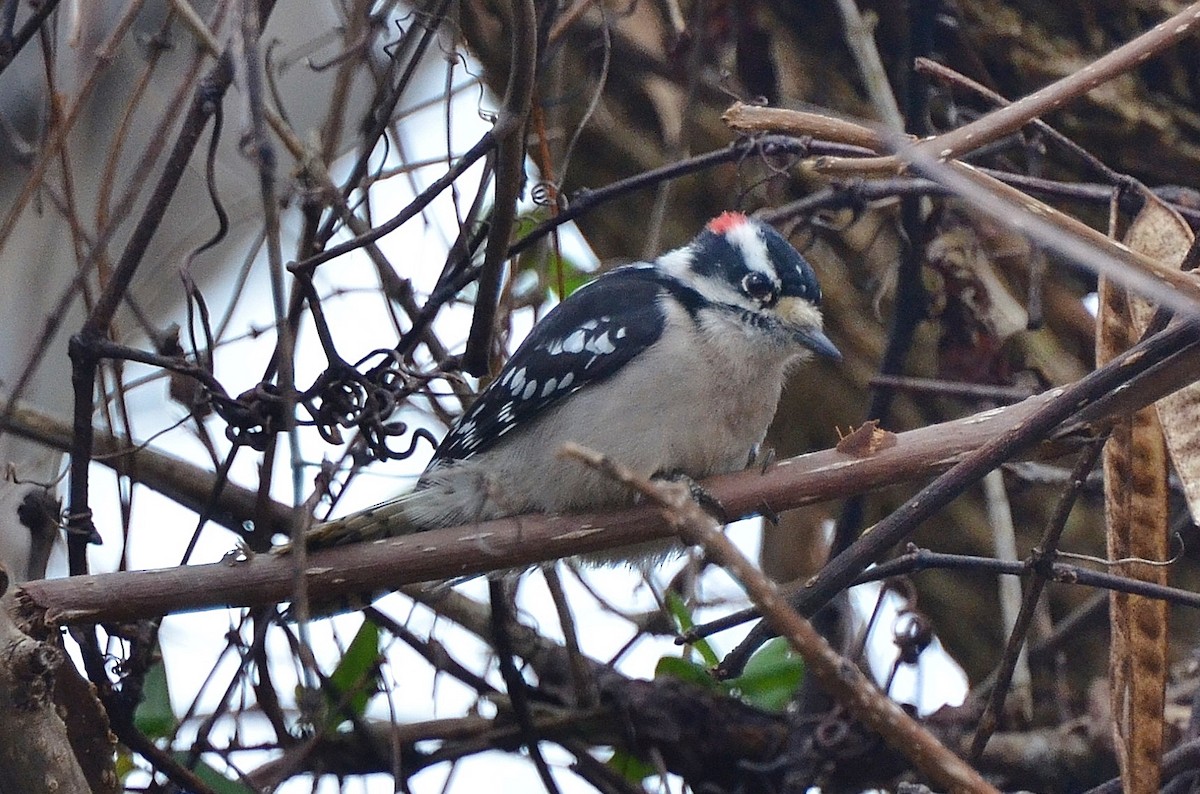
point(840, 677)
point(1007, 120)
point(1068, 237)
point(855, 192)
point(509, 167)
point(383, 106)
point(585, 690)
point(518, 688)
point(1058, 572)
point(860, 37)
point(410, 211)
point(1063, 235)
point(1016, 638)
point(1004, 535)
point(870, 548)
point(944, 73)
point(431, 651)
point(48, 151)
point(16, 42)
point(949, 388)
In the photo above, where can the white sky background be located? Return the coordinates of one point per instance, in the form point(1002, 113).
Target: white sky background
point(192, 643)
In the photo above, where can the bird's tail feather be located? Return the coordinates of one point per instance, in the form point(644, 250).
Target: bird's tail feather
point(384, 520)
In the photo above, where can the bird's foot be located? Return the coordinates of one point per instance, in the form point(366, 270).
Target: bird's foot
point(709, 503)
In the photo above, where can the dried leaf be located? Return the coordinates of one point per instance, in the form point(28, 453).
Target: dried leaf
point(867, 440)
point(1135, 489)
point(1159, 232)
point(975, 310)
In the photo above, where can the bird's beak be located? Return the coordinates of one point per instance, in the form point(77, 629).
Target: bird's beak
point(804, 320)
point(815, 340)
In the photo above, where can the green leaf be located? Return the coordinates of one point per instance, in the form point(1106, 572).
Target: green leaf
point(543, 259)
point(214, 779)
point(630, 767)
point(683, 621)
point(771, 676)
point(356, 674)
point(574, 277)
point(219, 783)
point(685, 670)
point(124, 765)
point(154, 716)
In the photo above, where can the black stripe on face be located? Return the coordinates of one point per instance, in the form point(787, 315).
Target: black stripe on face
point(714, 255)
point(717, 256)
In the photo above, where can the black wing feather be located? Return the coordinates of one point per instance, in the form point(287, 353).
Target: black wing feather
point(588, 337)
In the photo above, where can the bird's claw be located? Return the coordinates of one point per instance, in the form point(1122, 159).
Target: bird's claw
point(709, 503)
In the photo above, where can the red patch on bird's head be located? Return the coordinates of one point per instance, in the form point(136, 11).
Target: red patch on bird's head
point(726, 222)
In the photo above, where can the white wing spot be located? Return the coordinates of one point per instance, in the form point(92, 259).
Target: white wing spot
point(549, 387)
point(518, 381)
point(566, 380)
point(530, 390)
point(574, 342)
point(601, 344)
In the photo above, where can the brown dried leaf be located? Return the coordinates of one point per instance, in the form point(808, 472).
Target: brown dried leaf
point(1159, 232)
point(867, 440)
point(975, 310)
point(1135, 489)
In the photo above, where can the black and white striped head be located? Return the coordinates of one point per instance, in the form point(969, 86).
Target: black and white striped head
point(742, 265)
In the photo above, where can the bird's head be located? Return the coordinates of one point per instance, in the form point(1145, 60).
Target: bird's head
point(744, 265)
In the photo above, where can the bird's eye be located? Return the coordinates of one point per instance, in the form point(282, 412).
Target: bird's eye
point(760, 287)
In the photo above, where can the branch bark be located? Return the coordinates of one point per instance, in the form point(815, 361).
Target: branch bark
point(35, 752)
point(511, 542)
